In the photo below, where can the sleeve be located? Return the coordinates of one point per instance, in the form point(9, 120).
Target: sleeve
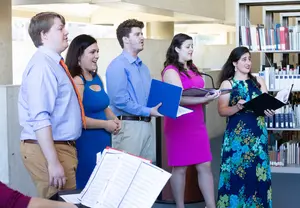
point(42, 90)
point(12, 199)
point(117, 82)
point(169, 67)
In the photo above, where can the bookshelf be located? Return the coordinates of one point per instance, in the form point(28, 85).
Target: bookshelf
point(289, 8)
point(294, 169)
point(271, 49)
point(283, 129)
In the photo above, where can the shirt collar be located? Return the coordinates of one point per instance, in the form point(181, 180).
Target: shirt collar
point(131, 59)
point(52, 54)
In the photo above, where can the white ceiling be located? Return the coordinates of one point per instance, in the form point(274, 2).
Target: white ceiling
point(112, 12)
point(81, 10)
point(107, 15)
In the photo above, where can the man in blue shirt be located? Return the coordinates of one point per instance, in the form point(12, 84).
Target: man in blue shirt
point(128, 84)
point(49, 109)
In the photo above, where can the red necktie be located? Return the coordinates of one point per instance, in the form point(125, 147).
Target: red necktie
point(62, 63)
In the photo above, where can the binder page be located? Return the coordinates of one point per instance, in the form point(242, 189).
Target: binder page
point(182, 111)
point(119, 183)
point(100, 178)
point(283, 95)
point(71, 198)
point(100, 156)
point(146, 186)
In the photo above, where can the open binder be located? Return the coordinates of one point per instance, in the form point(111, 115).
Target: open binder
point(266, 101)
point(123, 180)
point(201, 92)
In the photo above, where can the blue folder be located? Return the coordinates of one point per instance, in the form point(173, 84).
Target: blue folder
point(167, 94)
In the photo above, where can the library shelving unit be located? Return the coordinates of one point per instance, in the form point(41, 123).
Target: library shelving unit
point(286, 9)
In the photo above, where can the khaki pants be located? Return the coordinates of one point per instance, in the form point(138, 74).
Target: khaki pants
point(135, 137)
point(36, 164)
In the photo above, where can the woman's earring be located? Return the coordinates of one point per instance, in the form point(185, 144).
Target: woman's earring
point(235, 69)
point(78, 63)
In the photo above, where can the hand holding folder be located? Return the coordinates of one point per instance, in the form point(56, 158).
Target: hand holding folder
point(268, 102)
point(169, 95)
point(202, 92)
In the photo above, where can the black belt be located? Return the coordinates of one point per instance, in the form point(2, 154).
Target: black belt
point(135, 118)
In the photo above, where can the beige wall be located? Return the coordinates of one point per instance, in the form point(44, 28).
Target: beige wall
point(212, 56)
point(29, 14)
point(153, 55)
point(206, 8)
point(24, 2)
point(160, 30)
point(5, 42)
point(12, 170)
point(214, 123)
point(230, 11)
point(212, 9)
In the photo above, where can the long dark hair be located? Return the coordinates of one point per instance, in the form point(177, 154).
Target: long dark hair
point(172, 57)
point(228, 71)
point(75, 51)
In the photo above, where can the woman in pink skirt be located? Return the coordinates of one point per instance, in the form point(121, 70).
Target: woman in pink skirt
point(186, 136)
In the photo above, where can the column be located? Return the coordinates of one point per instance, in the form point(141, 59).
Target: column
point(6, 43)
point(231, 38)
point(160, 30)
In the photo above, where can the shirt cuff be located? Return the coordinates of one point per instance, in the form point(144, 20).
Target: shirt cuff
point(37, 125)
point(146, 111)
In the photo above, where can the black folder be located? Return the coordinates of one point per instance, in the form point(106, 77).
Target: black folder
point(262, 103)
point(201, 92)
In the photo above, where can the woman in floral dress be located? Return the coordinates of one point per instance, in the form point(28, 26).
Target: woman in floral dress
point(245, 176)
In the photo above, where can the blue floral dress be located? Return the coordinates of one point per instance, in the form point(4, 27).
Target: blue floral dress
point(245, 175)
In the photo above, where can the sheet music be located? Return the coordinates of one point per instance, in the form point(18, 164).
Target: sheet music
point(182, 111)
point(146, 186)
point(119, 184)
point(71, 198)
point(100, 178)
point(98, 157)
point(96, 169)
point(283, 95)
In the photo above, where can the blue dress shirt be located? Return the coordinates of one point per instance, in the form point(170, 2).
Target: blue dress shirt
point(47, 98)
point(128, 83)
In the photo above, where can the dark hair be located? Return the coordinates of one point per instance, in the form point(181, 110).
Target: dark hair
point(124, 29)
point(42, 22)
point(172, 57)
point(75, 51)
point(228, 69)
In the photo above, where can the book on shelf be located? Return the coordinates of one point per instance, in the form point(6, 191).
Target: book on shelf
point(287, 117)
point(123, 180)
point(286, 154)
point(284, 118)
point(278, 37)
point(277, 78)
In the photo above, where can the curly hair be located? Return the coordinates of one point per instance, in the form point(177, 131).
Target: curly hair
point(172, 57)
point(124, 29)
